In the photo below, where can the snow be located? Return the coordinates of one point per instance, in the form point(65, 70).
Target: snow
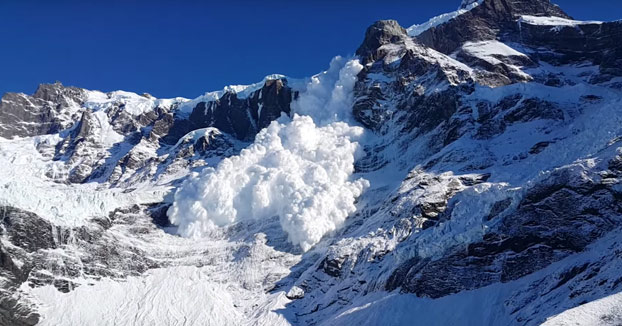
point(228, 286)
point(417, 29)
point(525, 301)
point(554, 21)
point(196, 134)
point(134, 104)
point(451, 66)
point(602, 312)
point(299, 176)
point(104, 132)
point(298, 169)
point(145, 300)
point(493, 51)
point(26, 183)
point(295, 170)
point(328, 95)
point(241, 91)
point(490, 50)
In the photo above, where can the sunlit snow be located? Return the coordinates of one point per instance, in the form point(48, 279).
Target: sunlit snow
point(467, 6)
point(298, 169)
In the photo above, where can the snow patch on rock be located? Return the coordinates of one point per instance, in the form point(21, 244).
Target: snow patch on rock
point(466, 6)
point(490, 50)
point(554, 21)
point(133, 103)
point(27, 182)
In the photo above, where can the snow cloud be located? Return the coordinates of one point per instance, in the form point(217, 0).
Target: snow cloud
point(328, 96)
point(299, 169)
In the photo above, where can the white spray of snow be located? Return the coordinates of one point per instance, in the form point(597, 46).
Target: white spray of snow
point(328, 95)
point(296, 169)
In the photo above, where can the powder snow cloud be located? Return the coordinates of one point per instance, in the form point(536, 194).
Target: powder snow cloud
point(299, 169)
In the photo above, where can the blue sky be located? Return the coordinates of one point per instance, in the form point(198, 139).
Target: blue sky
point(184, 48)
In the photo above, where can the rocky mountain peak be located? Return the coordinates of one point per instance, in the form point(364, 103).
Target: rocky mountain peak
point(467, 3)
point(510, 9)
point(378, 34)
point(50, 109)
point(491, 19)
point(55, 91)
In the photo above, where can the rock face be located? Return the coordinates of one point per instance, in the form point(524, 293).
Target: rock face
point(456, 94)
point(493, 152)
point(490, 20)
point(105, 140)
point(556, 218)
point(244, 117)
point(381, 33)
point(49, 110)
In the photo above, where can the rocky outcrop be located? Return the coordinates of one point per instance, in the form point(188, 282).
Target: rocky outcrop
point(114, 142)
point(52, 108)
point(558, 217)
point(462, 119)
point(380, 33)
point(599, 43)
point(90, 251)
point(501, 20)
point(492, 19)
point(241, 117)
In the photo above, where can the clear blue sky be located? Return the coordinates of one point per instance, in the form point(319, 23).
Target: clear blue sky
point(184, 48)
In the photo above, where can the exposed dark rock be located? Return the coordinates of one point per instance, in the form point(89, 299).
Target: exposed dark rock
point(500, 20)
point(558, 217)
point(539, 147)
point(26, 230)
point(488, 21)
point(498, 208)
point(406, 90)
point(49, 110)
point(532, 109)
point(598, 43)
point(333, 266)
point(15, 312)
point(380, 33)
point(240, 117)
point(158, 214)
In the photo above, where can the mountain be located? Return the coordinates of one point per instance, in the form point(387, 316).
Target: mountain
point(463, 171)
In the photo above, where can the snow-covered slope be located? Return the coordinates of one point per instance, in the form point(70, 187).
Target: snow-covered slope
point(466, 171)
point(466, 6)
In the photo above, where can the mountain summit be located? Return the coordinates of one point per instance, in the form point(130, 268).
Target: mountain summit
point(462, 171)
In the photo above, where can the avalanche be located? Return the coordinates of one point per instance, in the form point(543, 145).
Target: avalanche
point(299, 169)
